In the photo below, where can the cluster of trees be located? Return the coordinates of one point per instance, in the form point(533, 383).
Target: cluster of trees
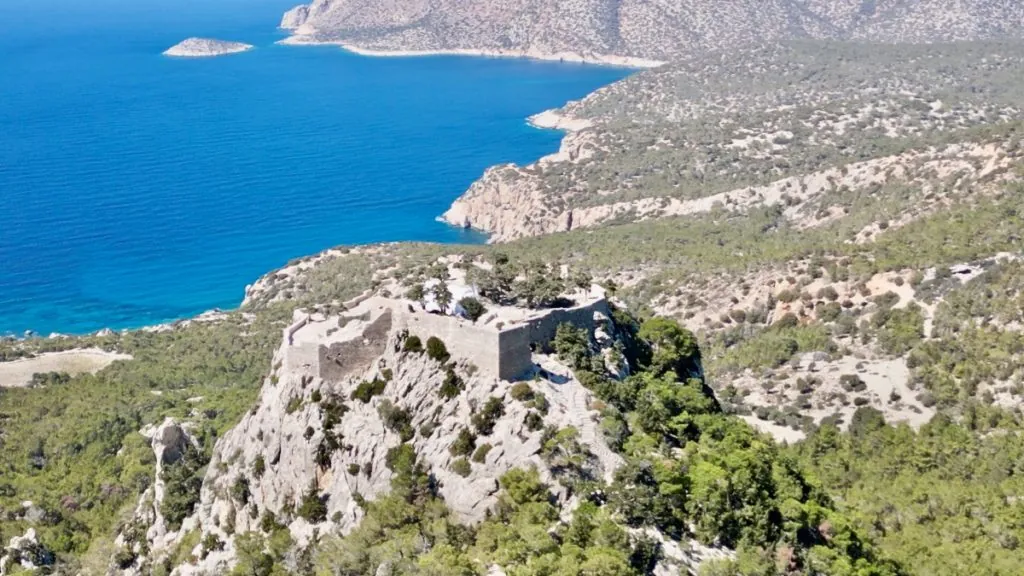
point(942, 500)
point(531, 283)
point(694, 471)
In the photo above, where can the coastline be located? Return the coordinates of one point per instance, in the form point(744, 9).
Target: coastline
point(551, 119)
point(601, 60)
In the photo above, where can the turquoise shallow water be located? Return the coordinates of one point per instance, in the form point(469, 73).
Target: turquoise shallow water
point(136, 188)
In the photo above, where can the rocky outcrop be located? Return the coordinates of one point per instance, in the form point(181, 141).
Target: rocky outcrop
point(148, 528)
point(510, 202)
point(326, 431)
point(295, 18)
point(25, 553)
point(507, 203)
point(205, 47)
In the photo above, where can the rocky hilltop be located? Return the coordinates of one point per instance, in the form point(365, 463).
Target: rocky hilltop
point(348, 390)
point(650, 29)
point(205, 47)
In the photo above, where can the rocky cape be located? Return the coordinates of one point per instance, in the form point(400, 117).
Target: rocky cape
point(205, 48)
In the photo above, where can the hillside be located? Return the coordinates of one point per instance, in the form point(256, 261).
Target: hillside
point(762, 314)
point(803, 124)
point(653, 29)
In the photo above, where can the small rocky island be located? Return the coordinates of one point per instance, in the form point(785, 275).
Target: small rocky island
point(205, 47)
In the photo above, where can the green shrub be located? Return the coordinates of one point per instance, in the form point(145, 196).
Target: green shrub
point(313, 506)
point(463, 444)
point(540, 402)
point(903, 329)
point(828, 293)
point(452, 385)
point(522, 392)
point(473, 307)
point(413, 344)
point(315, 397)
point(887, 300)
point(353, 469)
point(462, 467)
point(572, 345)
point(397, 420)
point(829, 312)
point(211, 543)
point(259, 466)
point(487, 417)
point(788, 295)
point(400, 458)
point(481, 453)
point(182, 483)
point(240, 490)
point(533, 421)
point(269, 523)
point(294, 403)
point(367, 390)
point(415, 293)
point(436, 350)
point(788, 320)
point(852, 383)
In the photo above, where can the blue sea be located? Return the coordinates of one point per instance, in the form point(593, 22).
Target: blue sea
point(137, 189)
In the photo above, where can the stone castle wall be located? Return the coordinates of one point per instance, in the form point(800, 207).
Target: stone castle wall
point(504, 353)
point(477, 344)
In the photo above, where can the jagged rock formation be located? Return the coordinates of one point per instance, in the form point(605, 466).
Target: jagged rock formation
point(148, 526)
point(205, 47)
point(343, 392)
point(25, 553)
point(651, 29)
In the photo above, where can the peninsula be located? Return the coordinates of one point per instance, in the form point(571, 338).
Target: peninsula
point(205, 48)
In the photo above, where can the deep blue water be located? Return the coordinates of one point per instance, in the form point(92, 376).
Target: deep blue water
point(136, 188)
